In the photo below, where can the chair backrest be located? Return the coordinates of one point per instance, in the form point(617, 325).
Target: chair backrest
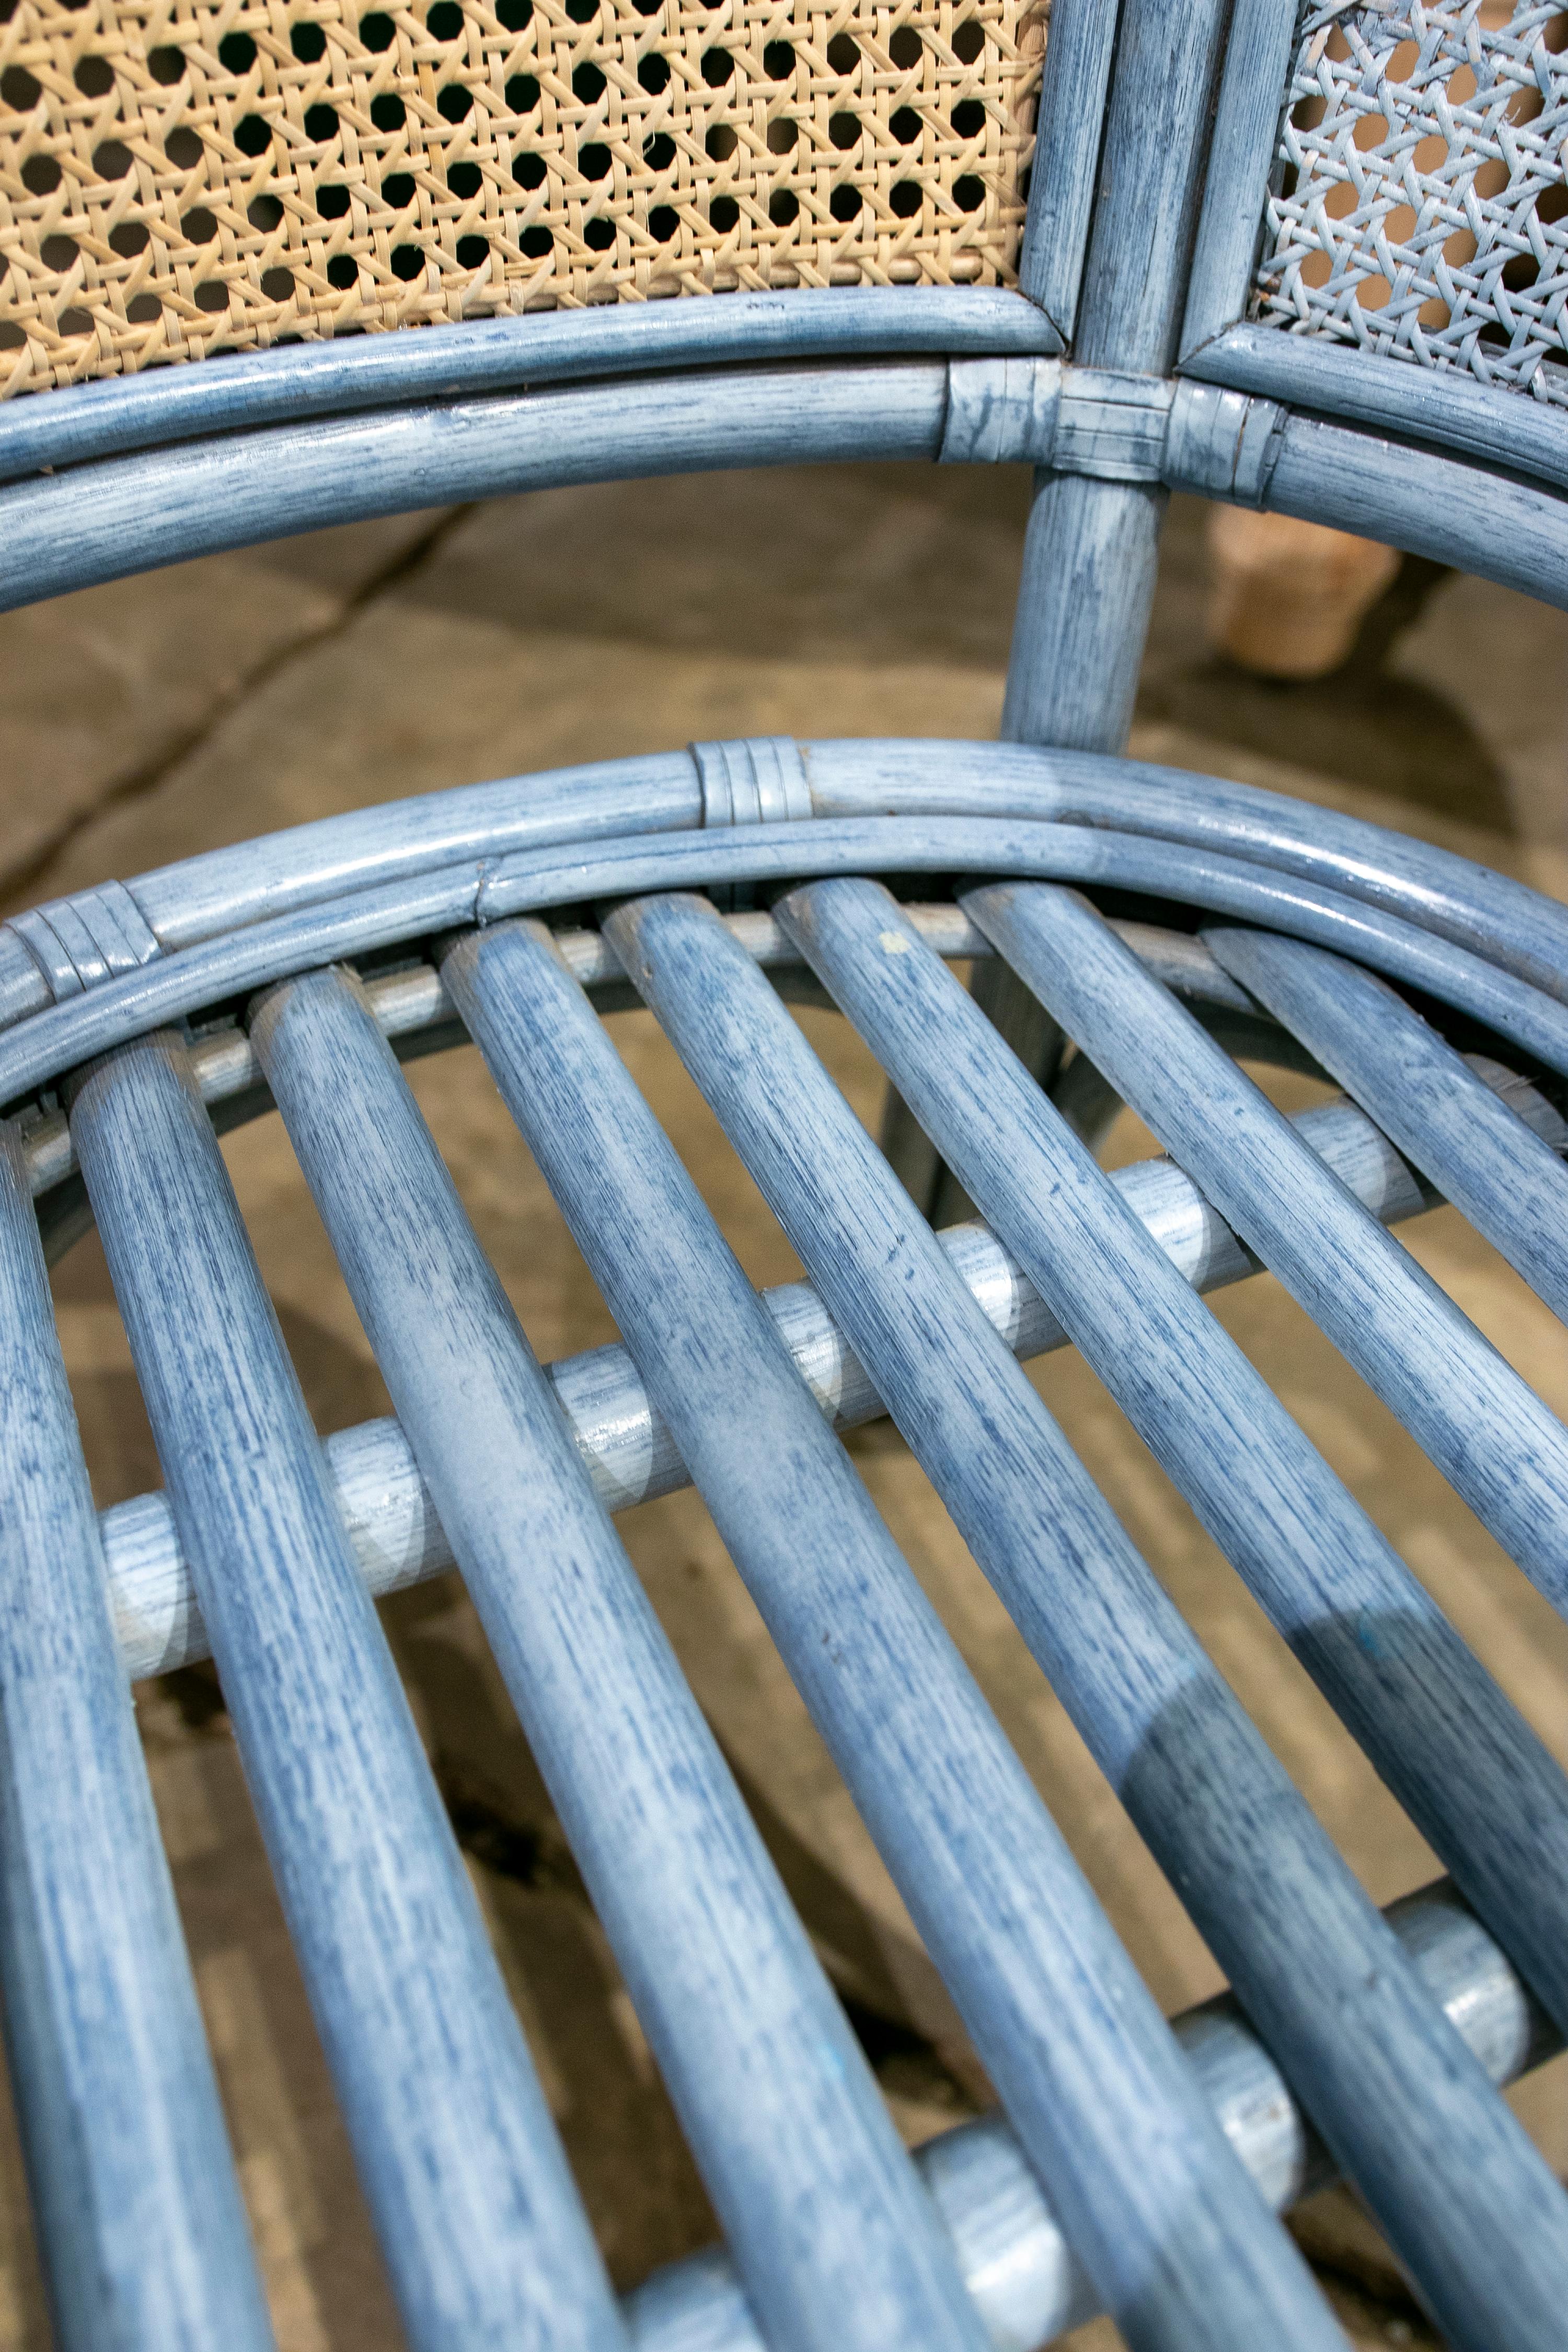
point(224, 178)
point(1234, 224)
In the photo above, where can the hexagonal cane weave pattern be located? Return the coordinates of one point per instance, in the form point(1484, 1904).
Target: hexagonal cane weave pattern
point(1422, 211)
point(179, 177)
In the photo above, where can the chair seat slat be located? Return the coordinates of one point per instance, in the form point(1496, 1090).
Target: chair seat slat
point(839, 2246)
point(483, 2234)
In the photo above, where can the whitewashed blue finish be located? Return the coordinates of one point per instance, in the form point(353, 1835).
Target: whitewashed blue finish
point(242, 391)
point(1489, 1434)
point(1014, 2259)
point(1498, 918)
point(629, 1454)
point(1068, 129)
point(142, 2233)
point(1438, 406)
point(1444, 1737)
point(829, 2227)
point(1090, 549)
point(1393, 2092)
point(1157, 2209)
point(485, 2243)
point(63, 1035)
point(1473, 516)
point(128, 514)
point(1478, 1152)
point(1241, 154)
point(188, 904)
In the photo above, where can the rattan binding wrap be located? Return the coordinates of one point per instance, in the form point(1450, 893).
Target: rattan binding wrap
point(181, 178)
point(1422, 210)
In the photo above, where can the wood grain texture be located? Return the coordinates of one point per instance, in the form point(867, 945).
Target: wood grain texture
point(1154, 2203)
point(1438, 406)
point(819, 2206)
point(487, 355)
point(484, 2238)
point(129, 514)
point(628, 1453)
point(1500, 1448)
point(1069, 127)
point(142, 2231)
point(1255, 76)
point(1308, 1957)
point(1424, 1094)
point(1010, 2244)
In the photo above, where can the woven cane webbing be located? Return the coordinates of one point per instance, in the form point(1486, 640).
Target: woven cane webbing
point(1422, 210)
point(179, 177)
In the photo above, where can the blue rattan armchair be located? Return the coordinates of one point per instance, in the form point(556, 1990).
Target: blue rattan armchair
point(1315, 262)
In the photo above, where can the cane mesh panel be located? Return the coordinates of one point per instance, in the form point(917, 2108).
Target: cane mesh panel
point(179, 177)
point(1422, 211)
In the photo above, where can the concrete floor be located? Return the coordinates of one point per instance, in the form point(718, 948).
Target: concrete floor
point(224, 699)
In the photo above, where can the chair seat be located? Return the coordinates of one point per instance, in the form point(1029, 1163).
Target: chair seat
point(1164, 941)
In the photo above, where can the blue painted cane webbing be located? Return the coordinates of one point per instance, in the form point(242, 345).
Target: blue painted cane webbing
point(1407, 2111)
point(1491, 1436)
point(142, 2234)
point(1426, 1097)
point(485, 2240)
point(1150, 2195)
point(835, 2239)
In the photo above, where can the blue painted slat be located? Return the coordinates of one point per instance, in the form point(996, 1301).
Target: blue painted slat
point(1148, 2191)
point(64, 1034)
point(1009, 2242)
point(1241, 156)
point(397, 1533)
point(1439, 405)
point(142, 2231)
point(244, 391)
point(1449, 508)
point(834, 2239)
point(1441, 1734)
point(485, 2240)
point(1406, 2112)
point(1489, 1433)
point(129, 514)
point(1478, 1152)
point(1069, 123)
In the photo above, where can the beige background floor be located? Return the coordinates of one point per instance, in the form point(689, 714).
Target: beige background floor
point(143, 722)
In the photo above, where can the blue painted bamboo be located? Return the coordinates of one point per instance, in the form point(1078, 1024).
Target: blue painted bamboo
point(629, 1454)
point(1085, 592)
point(1408, 2114)
point(1453, 1750)
point(1479, 1154)
point(1090, 548)
point(191, 902)
point(244, 391)
point(1489, 1433)
point(142, 2230)
point(1454, 511)
point(1241, 155)
point(824, 2217)
point(1439, 506)
point(122, 515)
point(485, 2240)
point(1151, 2199)
point(1439, 405)
point(1069, 125)
point(1011, 2247)
point(1496, 916)
point(63, 1035)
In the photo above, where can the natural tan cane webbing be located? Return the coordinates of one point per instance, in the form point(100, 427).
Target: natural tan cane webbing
point(186, 178)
